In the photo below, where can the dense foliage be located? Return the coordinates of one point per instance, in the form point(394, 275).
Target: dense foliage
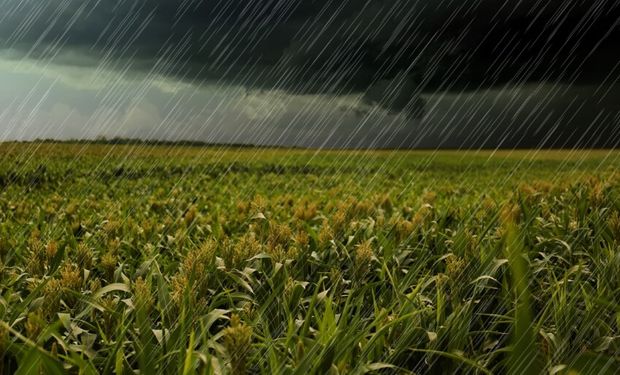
point(117, 258)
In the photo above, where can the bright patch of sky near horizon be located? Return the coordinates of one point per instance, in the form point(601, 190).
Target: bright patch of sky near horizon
point(39, 100)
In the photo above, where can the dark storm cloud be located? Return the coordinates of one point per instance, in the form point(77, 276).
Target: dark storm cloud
point(391, 51)
point(322, 46)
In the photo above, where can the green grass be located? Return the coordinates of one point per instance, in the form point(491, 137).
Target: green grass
point(190, 260)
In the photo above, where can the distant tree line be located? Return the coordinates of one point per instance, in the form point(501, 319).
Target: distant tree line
point(149, 142)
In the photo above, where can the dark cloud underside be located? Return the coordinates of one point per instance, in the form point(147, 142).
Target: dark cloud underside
point(321, 46)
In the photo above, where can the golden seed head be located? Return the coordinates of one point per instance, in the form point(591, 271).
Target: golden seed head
point(242, 207)
point(339, 220)
point(597, 194)
point(53, 293)
point(279, 235)
point(573, 225)
point(385, 202)
point(305, 211)
point(614, 225)
point(489, 205)
point(195, 272)
point(423, 216)
point(289, 287)
point(441, 279)
point(543, 186)
point(365, 207)
point(326, 234)
point(108, 264)
point(404, 228)
point(429, 197)
point(191, 215)
point(179, 284)
point(235, 255)
point(259, 203)
point(363, 252)
point(84, 256)
point(455, 267)
point(71, 277)
point(362, 259)
point(111, 227)
point(238, 343)
point(510, 214)
point(302, 239)
point(143, 296)
point(109, 303)
point(114, 245)
point(527, 191)
point(51, 249)
point(95, 285)
point(197, 260)
point(37, 259)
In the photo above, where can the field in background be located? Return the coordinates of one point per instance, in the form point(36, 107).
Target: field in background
point(254, 260)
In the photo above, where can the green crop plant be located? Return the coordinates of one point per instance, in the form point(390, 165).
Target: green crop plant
point(124, 259)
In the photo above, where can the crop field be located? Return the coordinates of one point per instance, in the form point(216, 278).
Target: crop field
point(178, 259)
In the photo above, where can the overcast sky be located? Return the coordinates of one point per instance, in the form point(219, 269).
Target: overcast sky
point(357, 73)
